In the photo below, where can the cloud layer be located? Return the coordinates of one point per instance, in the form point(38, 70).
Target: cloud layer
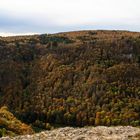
point(40, 16)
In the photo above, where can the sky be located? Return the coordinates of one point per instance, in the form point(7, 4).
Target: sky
point(52, 16)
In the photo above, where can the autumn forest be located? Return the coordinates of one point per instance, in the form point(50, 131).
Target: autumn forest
point(85, 78)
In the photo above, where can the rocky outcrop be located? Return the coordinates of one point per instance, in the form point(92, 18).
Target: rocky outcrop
point(86, 133)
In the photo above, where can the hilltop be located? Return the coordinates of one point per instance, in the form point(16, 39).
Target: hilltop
point(72, 79)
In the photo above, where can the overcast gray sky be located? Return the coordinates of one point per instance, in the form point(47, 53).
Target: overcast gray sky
point(50, 16)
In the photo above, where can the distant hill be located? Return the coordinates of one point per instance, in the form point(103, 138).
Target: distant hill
point(75, 78)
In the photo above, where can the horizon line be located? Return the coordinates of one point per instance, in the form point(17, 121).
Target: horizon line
point(10, 34)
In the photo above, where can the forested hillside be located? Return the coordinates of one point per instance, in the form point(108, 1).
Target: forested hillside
point(76, 78)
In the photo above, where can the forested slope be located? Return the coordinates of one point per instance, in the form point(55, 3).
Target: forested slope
point(76, 78)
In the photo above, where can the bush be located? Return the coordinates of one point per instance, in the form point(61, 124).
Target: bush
point(2, 132)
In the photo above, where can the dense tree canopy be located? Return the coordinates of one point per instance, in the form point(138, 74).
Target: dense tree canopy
point(76, 78)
